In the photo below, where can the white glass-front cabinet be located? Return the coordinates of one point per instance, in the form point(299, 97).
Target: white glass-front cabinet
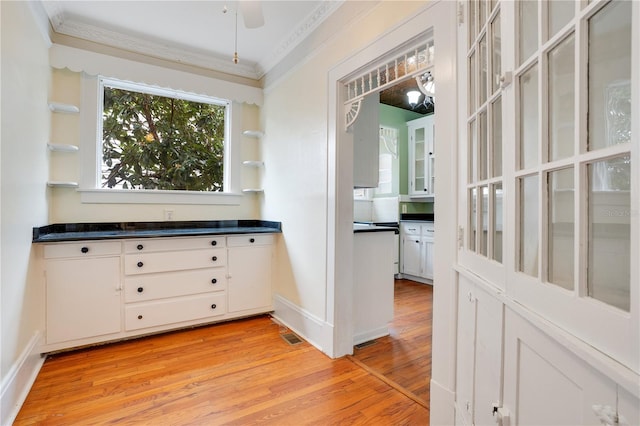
point(548, 227)
point(421, 157)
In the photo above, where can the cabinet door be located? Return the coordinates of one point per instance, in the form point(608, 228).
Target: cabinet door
point(249, 284)
point(417, 150)
point(83, 298)
point(412, 259)
point(427, 260)
point(366, 143)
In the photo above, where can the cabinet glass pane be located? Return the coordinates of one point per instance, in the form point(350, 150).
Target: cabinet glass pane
point(472, 218)
point(560, 13)
point(482, 77)
point(482, 13)
point(529, 224)
point(482, 145)
point(472, 22)
point(473, 151)
point(561, 227)
point(496, 137)
point(497, 222)
point(528, 24)
point(561, 99)
point(472, 82)
point(529, 118)
point(496, 53)
point(609, 75)
point(608, 270)
point(484, 219)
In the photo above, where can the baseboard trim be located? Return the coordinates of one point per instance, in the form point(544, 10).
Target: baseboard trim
point(15, 386)
point(442, 405)
point(308, 326)
point(370, 335)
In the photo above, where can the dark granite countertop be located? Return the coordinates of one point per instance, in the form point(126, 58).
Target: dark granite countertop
point(417, 217)
point(116, 230)
point(364, 227)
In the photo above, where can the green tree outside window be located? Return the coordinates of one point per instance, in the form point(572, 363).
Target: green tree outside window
point(157, 142)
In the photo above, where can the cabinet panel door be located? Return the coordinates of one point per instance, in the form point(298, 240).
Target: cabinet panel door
point(427, 262)
point(539, 372)
point(249, 283)
point(411, 255)
point(83, 298)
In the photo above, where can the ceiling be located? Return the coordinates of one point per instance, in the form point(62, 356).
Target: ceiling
point(397, 96)
point(193, 32)
point(200, 33)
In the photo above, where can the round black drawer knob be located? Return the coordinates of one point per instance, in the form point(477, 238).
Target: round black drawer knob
point(213, 281)
point(213, 306)
point(140, 289)
point(140, 264)
point(140, 247)
point(214, 243)
point(85, 249)
point(139, 316)
point(214, 258)
point(252, 240)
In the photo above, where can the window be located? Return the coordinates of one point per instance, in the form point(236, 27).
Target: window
point(156, 139)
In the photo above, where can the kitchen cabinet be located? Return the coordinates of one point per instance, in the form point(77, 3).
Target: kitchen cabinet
point(416, 250)
point(372, 283)
point(249, 272)
point(99, 291)
point(421, 157)
point(82, 290)
point(171, 280)
point(366, 143)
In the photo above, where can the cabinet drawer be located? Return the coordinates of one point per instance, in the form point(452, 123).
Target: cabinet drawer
point(140, 288)
point(146, 263)
point(248, 240)
point(175, 243)
point(170, 311)
point(410, 228)
point(82, 249)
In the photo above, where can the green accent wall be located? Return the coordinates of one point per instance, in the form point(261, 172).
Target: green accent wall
point(398, 117)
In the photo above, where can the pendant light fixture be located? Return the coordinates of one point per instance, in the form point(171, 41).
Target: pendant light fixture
point(225, 9)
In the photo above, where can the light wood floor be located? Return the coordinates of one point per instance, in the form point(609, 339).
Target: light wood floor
point(404, 357)
point(240, 372)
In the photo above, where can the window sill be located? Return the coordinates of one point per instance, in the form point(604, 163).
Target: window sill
point(123, 196)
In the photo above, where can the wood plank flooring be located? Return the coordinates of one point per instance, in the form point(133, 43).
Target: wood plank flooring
point(404, 357)
point(238, 373)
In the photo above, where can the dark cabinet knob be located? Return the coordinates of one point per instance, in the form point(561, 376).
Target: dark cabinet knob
point(140, 264)
point(213, 281)
point(85, 249)
point(214, 258)
point(213, 306)
point(214, 243)
point(252, 240)
point(417, 241)
point(140, 247)
point(140, 289)
point(139, 316)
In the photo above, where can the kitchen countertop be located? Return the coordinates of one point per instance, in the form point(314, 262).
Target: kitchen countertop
point(417, 217)
point(366, 227)
point(117, 230)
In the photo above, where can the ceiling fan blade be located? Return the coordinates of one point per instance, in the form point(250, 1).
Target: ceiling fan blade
point(252, 13)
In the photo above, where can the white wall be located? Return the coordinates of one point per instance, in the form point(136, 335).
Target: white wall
point(297, 144)
point(66, 204)
point(24, 168)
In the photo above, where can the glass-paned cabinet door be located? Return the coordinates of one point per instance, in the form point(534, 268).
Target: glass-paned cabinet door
point(572, 170)
point(484, 146)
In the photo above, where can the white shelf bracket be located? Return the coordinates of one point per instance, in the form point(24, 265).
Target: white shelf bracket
point(352, 111)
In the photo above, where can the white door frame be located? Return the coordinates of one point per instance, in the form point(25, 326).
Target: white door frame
point(441, 16)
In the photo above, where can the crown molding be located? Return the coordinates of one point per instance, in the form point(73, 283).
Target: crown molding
point(66, 25)
point(313, 21)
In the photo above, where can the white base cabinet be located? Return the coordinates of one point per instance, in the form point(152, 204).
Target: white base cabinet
point(416, 250)
point(98, 291)
point(83, 291)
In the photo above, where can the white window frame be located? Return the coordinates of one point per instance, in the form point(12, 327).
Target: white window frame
point(91, 136)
